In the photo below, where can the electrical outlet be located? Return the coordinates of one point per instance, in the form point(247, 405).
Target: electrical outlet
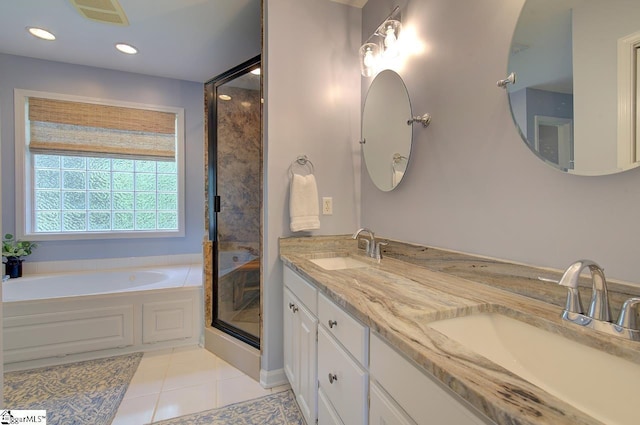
point(327, 206)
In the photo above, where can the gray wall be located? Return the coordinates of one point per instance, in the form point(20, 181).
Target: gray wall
point(312, 92)
point(34, 74)
point(472, 185)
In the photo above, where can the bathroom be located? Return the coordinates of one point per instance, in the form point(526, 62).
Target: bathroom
point(471, 186)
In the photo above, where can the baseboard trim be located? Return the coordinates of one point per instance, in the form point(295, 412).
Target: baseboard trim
point(238, 354)
point(273, 378)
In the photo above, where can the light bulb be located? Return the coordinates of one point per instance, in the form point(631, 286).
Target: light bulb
point(390, 37)
point(368, 60)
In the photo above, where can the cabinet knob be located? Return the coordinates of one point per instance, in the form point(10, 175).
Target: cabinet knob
point(332, 323)
point(293, 307)
point(332, 377)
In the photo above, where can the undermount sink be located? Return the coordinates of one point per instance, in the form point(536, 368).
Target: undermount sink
point(599, 384)
point(339, 263)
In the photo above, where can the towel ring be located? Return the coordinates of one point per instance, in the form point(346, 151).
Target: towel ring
point(301, 161)
point(397, 158)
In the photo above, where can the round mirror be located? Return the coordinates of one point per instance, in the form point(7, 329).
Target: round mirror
point(385, 132)
point(574, 99)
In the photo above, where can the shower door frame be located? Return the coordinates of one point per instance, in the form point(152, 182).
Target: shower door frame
point(214, 200)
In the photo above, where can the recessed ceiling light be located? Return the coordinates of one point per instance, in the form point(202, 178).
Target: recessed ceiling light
point(41, 33)
point(126, 48)
point(256, 71)
point(224, 97)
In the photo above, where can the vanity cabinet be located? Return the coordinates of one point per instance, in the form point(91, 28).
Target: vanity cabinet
point(343, 375)
point(300, 342)
point(401, 393)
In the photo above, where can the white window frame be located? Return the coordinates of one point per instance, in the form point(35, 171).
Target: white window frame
point(24, 172)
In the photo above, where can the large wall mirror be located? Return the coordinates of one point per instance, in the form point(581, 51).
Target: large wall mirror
point(574, 99)
point(386, 136)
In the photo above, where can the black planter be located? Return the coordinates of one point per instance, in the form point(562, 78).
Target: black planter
point(13, 267)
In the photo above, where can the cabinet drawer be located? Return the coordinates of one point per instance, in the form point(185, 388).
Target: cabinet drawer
point(353, 335)
point(383, 410)
point(326, 414)
point(305, 292)
point(347, 389)
point(425, 400)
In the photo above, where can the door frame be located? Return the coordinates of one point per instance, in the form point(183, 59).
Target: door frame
point(211, 88)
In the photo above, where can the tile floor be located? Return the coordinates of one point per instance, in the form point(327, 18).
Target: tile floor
point(181, 381)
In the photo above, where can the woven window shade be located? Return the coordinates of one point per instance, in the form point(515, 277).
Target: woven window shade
point(86, 129)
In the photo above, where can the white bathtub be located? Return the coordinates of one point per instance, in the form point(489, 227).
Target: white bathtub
point(109, 281)
point(64, 317)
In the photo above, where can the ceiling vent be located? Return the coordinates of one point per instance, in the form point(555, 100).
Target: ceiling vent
point(105, 11)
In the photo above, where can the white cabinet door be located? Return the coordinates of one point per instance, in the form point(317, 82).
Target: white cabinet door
point(383, 410)
point(308, 378)
point(291, 362)
point(300, 354)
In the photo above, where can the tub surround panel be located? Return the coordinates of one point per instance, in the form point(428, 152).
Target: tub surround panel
point(398, 299)
point(63, 330)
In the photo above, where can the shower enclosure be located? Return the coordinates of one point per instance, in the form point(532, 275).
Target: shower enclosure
point(234, 104)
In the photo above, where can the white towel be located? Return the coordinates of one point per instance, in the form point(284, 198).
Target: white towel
point(396, 177)
point(303, 203)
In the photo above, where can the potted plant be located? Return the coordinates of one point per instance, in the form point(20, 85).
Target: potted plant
point(13, 250)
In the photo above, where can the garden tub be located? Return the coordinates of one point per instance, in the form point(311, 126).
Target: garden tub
point(62, 317)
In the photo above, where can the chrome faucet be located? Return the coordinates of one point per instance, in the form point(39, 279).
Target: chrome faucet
point(599, 315)
point(599, 306)
point(372, 247)
point(370, 244)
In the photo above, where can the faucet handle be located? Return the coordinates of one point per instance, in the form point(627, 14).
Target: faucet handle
point(628, 314)
point(378, 253)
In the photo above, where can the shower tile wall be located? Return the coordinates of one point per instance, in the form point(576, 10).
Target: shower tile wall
point(239, 176)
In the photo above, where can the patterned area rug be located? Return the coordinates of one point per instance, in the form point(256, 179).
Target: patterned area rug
point(275, 409)
point(73, 394)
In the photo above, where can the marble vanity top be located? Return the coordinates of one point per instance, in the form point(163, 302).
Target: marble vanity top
point(413, 286)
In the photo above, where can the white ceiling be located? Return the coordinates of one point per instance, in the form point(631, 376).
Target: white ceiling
point(192, 40)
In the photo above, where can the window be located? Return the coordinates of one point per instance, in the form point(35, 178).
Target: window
point(90, 169)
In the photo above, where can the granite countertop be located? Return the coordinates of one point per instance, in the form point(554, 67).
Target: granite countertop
point(398, 298)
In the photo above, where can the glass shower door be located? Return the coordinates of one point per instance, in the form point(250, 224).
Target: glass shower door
point(235, 175)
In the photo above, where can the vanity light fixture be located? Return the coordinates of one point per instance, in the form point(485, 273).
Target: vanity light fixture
point(390, 30)
point(41, 33)
point(126, 48)
point(369, 54)
point(385, 44)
